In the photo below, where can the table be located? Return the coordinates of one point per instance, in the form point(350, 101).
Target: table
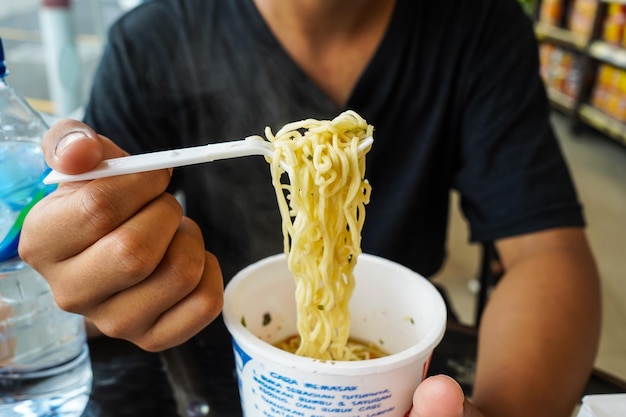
point(129, 382)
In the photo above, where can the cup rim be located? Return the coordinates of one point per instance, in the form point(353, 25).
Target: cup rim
point(255, 346)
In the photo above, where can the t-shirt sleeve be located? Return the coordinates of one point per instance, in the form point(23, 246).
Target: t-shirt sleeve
point(512, 175)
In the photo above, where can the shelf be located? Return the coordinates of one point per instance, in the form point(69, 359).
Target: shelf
point(603, 122)
point(585, 55)
point(544, 31)
point(608, 53)
point(561, 100)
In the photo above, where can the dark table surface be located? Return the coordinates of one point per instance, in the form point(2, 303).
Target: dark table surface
point(129, 382)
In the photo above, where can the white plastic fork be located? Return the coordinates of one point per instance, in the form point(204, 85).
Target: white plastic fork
point(176, 158)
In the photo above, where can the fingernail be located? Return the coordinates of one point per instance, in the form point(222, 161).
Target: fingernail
point(68, 140)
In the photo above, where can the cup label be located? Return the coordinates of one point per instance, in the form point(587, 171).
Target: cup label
point(288, 392)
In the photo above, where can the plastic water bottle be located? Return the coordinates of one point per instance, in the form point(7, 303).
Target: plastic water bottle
point(45, 369)
point(21, 162)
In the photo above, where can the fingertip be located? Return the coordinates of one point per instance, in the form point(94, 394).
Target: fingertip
point(72, 147)
point(77, 152)
point(438, 396)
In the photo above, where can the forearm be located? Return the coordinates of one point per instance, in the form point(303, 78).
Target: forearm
point(539, 333)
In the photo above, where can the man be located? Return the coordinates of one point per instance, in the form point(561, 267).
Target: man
point(453, 91)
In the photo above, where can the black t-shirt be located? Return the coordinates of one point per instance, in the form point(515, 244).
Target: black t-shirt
point(453, 91)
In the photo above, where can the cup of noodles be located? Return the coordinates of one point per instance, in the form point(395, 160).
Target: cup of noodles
point(393, 309)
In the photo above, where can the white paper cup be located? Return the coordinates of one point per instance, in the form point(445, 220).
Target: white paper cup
point(392, 306)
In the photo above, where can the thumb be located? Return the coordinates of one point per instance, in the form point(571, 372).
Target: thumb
point(438, 396)
point(73, 147)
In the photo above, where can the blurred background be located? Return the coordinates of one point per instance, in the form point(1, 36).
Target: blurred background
point(52, 53)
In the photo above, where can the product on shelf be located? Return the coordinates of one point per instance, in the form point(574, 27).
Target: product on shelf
point(582, 15)
point(614, 27)
point(560, 69)
point(580, 41)
point(609, 92)
point(551, 12)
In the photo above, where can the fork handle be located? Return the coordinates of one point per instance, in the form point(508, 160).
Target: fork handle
point(163, 159)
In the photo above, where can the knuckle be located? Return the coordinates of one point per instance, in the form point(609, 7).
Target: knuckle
point(210, 305)
point(68, 299)
point(67, 302)
point(174, 206)
point(125, 325)
point(153, 340)
point(186, 273)
point(31, 242)
point(113, 328)
point(26, 250)
point(100, 210)
point(136, 259)
point(150, 344)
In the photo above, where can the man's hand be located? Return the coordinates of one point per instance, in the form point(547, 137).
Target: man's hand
point(441, 396)
point(119, 250)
